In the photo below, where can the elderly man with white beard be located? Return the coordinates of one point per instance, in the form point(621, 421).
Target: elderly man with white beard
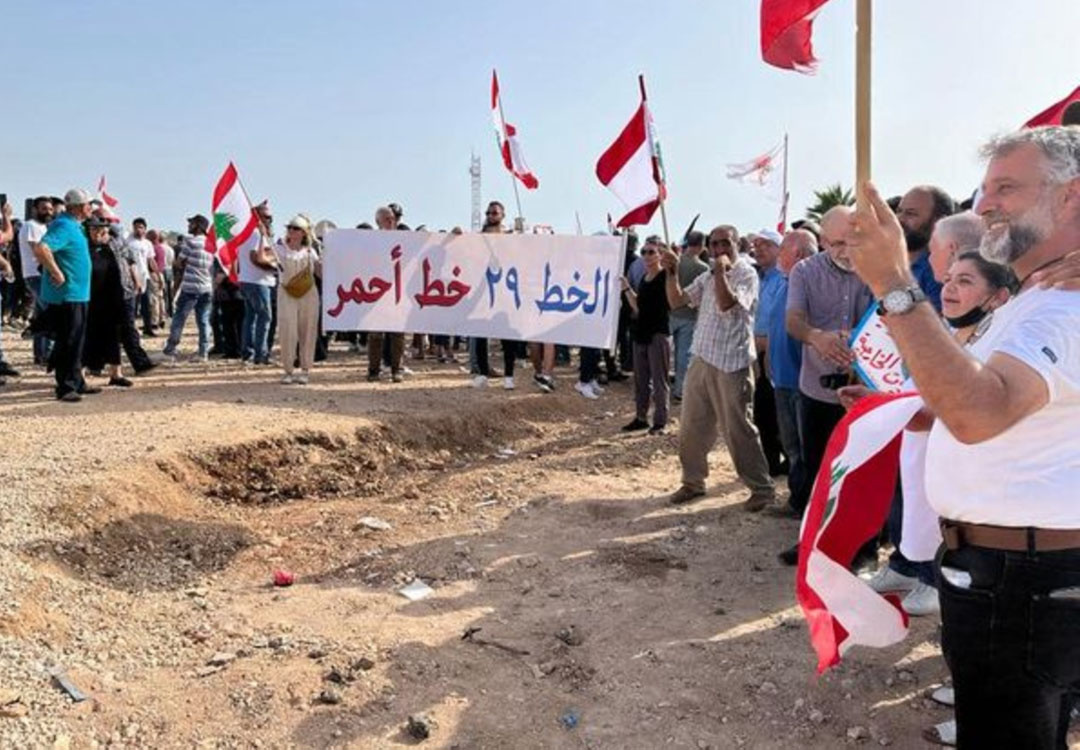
point(1003, 460)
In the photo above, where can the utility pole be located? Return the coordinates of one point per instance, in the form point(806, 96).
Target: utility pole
point(477, 209)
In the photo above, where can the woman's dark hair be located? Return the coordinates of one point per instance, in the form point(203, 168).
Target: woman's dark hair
point(998, 276)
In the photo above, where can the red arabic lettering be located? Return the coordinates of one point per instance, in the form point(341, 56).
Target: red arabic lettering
point(376, 288)
point(438, 294)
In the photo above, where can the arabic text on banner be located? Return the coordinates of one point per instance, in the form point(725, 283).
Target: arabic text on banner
point(559, 289)
point(877, 358)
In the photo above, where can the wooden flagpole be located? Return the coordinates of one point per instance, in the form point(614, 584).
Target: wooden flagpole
point(784, 205)
point(863, 47)
point(656, 161)
point(513, 178)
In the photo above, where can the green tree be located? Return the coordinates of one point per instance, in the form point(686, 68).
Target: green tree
point(833, 195)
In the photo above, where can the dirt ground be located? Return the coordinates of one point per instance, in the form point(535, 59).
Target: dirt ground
point(572, 607)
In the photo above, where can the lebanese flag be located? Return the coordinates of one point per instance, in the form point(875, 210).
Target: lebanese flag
point(849, 503)
point(108, 203)
point(630, 168)
point(508, 144)
point(786, 27)
point(1056, 113)
point(234, 220)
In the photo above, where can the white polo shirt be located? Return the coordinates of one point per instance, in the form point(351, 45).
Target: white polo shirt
point(1030, 474)
point(249, 273)
point(30, 233)
point(142, 251)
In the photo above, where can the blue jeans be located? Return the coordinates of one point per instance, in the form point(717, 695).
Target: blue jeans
point(185, 303)
point(682, 333)
point(256, 321)
point(787, 420)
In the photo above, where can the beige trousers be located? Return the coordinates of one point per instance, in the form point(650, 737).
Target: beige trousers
point(717, 402)
point(298, 325)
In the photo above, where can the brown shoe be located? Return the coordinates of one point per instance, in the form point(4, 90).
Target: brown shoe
point(756, 503)
point(684, 495)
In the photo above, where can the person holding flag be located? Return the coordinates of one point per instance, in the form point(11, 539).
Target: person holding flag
point(1003, 458)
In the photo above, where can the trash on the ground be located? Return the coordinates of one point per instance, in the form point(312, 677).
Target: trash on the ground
point(284, 578)
point(506, 453)
point(373, 523)
point(419, 727)
point(470, 636)
point(570, 719)
point(416, 590)
point(60, 679)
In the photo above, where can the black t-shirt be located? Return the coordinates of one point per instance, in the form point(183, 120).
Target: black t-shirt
point(652, 317)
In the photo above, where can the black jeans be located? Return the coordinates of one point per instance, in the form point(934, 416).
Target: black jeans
point(1012, 642)
point(816, 422)
point(765, 418)
point(69, 323)
point(589, 369)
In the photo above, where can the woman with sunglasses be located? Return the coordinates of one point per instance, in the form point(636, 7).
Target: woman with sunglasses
point(298, 299)
point(652, 351)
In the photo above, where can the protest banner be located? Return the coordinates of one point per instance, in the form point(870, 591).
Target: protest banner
point(877, 359)
point(560, 289)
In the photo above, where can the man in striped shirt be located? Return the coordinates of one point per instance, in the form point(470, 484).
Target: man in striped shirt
point(719, 389)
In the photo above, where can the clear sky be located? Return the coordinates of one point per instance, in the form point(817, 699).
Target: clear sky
point(333, 107)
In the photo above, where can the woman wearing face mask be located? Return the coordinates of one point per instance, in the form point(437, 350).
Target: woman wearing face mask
point(974, 288)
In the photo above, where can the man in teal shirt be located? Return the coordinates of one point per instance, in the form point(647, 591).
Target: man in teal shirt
point(64, 255)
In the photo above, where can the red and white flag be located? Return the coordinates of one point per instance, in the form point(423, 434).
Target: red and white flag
point(108, 203)
point(766, 171)
point(849, 503)
point(786, 29)
point(630, 168)
point(509, 147)
point(1055, 114)
point(234, 220)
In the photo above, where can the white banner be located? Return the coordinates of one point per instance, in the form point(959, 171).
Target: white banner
point(877, 358)
point(560, 289)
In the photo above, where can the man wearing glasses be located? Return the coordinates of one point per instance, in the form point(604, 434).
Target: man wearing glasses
point(719, 389)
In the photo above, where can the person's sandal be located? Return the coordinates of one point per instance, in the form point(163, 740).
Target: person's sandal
point(943, 734)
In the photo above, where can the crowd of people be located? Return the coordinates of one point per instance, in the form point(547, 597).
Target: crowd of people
point(751, 335)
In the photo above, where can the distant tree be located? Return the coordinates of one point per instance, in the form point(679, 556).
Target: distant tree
point(833, 195)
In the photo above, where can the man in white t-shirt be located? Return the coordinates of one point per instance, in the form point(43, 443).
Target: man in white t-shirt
point(1003, 458)
point(258, 277)
point(30, 235)
point(142, 251)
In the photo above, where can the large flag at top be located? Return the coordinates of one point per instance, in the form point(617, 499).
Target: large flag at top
point(630, 168)
point(512, 156)
point(848, 505)
point(786, 27)
point(1055, 114)
point(234, 220)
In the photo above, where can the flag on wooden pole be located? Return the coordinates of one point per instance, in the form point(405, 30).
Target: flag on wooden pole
point(509, 147)
point(234, 220)
point(108, 203)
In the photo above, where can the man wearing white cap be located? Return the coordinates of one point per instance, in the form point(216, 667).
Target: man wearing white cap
point(64, 255)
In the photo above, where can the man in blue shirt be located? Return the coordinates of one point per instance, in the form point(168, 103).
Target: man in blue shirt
point(64, 255)
point(766, 247)
point(919, 212)
point(785, 353)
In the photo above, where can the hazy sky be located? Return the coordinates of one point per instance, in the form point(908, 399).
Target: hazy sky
point(333, 107)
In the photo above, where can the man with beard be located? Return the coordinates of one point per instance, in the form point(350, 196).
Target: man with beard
point(825, 302)
point(920, 210)
point(30, 235)
point(1003, 458)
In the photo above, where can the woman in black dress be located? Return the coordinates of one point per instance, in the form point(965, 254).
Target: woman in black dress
point(105, 313)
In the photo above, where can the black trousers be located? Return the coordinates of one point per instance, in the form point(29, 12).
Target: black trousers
point(590, 365)
point(129, 339)
point(765, 418)
point(1011, 637)
point(510, 351)
point(816, 422)
point(231, 327)
point(69, 323)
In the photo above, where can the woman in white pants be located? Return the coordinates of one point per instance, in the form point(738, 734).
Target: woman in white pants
point(298, 299)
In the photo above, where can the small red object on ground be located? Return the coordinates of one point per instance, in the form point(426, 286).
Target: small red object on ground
point(283, 578)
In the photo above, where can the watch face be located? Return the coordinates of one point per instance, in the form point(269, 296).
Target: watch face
point(896, 301)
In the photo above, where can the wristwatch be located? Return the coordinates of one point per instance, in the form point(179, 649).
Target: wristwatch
point(901, 301)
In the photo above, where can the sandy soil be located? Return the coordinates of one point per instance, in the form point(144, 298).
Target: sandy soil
point(572, 607)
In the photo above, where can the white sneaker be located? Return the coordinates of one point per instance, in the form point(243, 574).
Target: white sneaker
point(406, 371)
point(480, 381)
point(586, 390)
point(946, 696)
point(946, 732)
point(887, 579)
point(286, 379)
point(508, 384)
point(596, 387)
point(302, 378)
point(921, 601)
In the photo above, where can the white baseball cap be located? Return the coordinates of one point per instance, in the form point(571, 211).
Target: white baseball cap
point(77, 197)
